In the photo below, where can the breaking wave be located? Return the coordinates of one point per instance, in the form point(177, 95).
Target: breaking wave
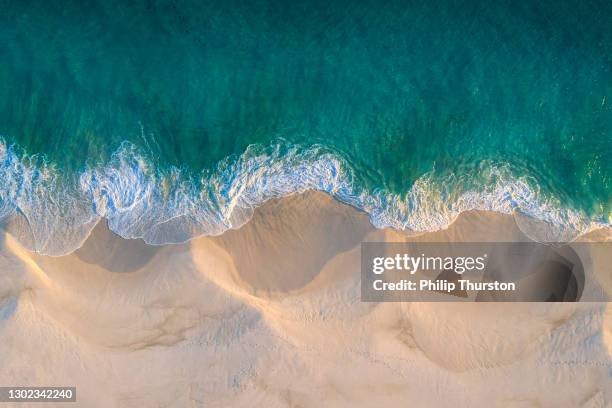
point(53, 213)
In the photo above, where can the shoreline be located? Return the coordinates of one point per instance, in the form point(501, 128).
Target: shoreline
point(536, 229)
point(54, 216)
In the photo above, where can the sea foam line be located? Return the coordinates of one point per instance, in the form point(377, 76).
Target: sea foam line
point(52, 214)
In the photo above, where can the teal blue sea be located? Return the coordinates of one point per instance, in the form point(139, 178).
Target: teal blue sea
point(172, 119)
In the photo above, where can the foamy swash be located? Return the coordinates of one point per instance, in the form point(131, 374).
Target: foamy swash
point(53, 213)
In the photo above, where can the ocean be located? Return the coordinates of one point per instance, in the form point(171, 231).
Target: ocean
point(174, 119)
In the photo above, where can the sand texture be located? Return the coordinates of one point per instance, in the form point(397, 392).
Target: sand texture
point(269, 315)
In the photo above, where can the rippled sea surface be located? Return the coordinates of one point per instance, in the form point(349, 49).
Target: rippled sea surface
point(175, 119)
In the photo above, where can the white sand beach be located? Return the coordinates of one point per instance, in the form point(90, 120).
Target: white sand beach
point(269, 315)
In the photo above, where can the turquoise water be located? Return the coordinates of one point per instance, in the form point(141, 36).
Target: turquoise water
point(174, 119)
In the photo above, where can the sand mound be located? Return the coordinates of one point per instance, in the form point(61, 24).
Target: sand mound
point(288, 241)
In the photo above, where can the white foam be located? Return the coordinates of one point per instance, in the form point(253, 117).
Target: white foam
point(53, 214)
